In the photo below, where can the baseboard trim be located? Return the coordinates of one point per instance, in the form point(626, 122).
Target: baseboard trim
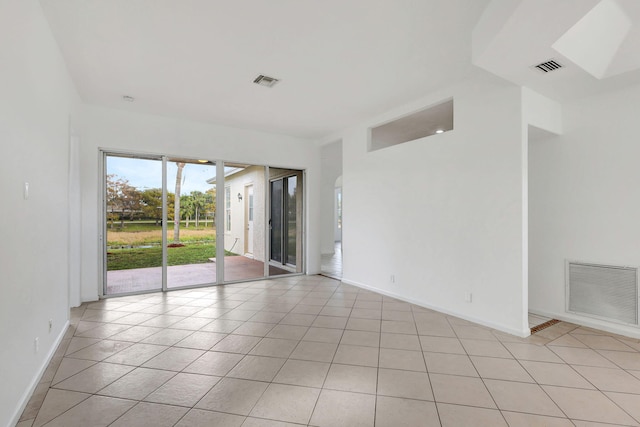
point(36, 379)
point(627, 331)
point(519, 333)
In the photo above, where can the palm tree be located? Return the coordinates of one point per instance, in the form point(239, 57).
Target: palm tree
point(176, 210)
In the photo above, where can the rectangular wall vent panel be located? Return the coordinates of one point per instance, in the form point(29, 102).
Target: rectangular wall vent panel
point(605, 291)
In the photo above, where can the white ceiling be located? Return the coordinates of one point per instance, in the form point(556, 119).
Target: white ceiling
point(339, 61)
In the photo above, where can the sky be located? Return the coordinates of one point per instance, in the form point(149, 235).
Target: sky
point(144, 174)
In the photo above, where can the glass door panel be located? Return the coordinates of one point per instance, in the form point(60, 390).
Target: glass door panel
point(191, 229)
point(244, 222)
point(133, 219)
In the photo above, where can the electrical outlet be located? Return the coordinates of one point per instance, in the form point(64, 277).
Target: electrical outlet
point(36, 344)
point(467, 296)
point(50, 324)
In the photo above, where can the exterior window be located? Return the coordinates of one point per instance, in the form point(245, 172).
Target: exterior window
point(227, 208)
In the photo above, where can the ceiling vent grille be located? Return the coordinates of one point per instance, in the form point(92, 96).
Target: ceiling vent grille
point(267, 81)
point(548, 66)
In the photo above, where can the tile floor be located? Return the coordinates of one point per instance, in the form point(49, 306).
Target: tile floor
point(309, 350)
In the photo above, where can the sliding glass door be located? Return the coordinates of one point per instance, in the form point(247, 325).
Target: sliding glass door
point(163, 231)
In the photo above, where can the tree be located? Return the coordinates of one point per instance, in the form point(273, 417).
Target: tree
point(176, 214)
point(199, 200)
point(186, 208)
point(122, 198)
point(152, 204)
point(210, 205)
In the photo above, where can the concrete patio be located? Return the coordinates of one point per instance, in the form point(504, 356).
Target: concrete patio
point(150, 278)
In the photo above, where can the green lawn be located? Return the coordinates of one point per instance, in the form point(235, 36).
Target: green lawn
point(123, 259)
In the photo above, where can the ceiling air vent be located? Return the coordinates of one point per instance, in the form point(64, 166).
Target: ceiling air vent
point(548, 66)
point(267, 81)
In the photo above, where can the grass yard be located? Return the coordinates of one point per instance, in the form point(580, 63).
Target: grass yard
point(124, 259)
point(140, 234)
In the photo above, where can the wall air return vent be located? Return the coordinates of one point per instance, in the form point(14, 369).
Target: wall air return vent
point(267, 81)
point(548, 66)
point(603, 291)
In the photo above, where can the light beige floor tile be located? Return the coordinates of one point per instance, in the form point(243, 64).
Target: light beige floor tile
point(402, 359)
point(460, 390)
point(241, 344)
point(603, 342)
point(582, 356)
point(57, 402)
point(234, 396)
point(163, 320)
point(501, 369)
point(202, 418)
point(364, 338)
point(25, 423)
point(323, 335)
point(567, 340)
point(286, 403)
point(303, 373)
point(256, 329)
point(174, 359)
point(370, 305)
point(260, 422)
point(336, 311)
point(298, 319)
point(137, 384)
point(100, 350)
point(69, 367)
point(398, 412)
point(167, 337)
point(214, 363)
point(257, 368)
point(239, 314)
point(136, 333)
point(588, 405)
point(360, 379)
point(453, 364)
point(135, 318)
point(366, 313)
point(314, 351)
point(358, 324)
point(470, 331)
point(522, 397)
point(441, 345)
point(183, 389)
point(344, 409)
point(191, 323)
point(516, 419)
point(437, 328)
point(137, 354)
point(201, 340)
point(289, 332)
point(607, 379)
point(356, 355)
point(78, 343)
point(556, 374)
point(400, 341)
point(457, 415)
point(398, 327)
point(274, 347)
point(407, 384)
point(330, 322)
point(629, 402)
point(625, 360)
point(402, 316)
point(533, 352)
point(485, 348)
point(224, 326)
point(94, 378)
point(96, 411)
point(151, 415)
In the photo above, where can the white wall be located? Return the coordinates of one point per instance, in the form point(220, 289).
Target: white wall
point(126, 131)
point(584, 202)
point(331, 167)
point(444, 214)
point(37, 101)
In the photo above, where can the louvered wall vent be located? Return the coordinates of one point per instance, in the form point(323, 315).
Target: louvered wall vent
point(550, 65)
point(604, 291)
